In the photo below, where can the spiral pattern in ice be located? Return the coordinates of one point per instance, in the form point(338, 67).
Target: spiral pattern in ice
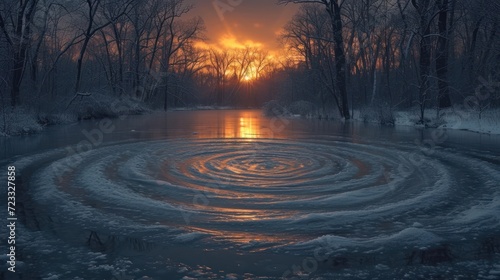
point(270, 192)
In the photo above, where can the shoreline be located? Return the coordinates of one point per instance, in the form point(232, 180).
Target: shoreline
point(31, 124)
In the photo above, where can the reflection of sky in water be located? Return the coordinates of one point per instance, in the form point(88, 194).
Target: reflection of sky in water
point(249, 127)
point(243, 124)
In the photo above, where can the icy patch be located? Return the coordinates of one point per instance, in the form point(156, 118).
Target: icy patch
point(381, 267)
point(414, 236)
point(487, 213)
point(232, 276)
point(51, 277)
point(331, 241)
point(189, 237)
point(106, 267)
point(408, 236)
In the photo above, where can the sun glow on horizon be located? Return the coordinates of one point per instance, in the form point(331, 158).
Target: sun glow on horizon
point(231, 42)
point(245, 60)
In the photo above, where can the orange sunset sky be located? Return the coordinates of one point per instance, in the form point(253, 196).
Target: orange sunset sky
point(238, 23)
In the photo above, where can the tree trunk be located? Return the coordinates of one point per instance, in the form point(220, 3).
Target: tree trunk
point(79, 64)
point(471, 58)
point(118, 43)
point(137, 77)
point(340, 73)
point(422, 8)
point(110, 76)
point(425, 66)
point(17, 77)
point(165, 103)
point(444, 100)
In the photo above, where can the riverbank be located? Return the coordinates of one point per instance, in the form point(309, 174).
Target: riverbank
point(25, 120)
point(485, 122)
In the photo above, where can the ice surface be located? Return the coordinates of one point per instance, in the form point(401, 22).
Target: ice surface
point(189, 237)
point(182, 198)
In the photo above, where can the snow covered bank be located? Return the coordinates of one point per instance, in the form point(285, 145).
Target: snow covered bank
point(32, 119)
point(298, 108)
point(196, 108)
point(487, 122)
point(18, 121)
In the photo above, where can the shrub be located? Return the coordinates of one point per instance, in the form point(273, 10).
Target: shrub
point(18, 121)
point(98, 105)
point(302, 108)
point(381, 114)
point(274, 108)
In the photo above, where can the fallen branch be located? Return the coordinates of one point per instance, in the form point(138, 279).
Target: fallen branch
point(81, 94)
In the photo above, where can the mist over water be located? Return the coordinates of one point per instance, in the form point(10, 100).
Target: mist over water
point(211, 194)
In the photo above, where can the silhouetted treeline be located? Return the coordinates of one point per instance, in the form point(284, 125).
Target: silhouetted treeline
point(342, 54)
point(397, 53)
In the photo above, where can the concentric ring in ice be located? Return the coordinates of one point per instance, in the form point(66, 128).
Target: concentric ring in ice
point(270, 192)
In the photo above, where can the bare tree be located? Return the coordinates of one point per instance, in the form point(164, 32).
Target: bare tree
point(445, 8)
point(261, 62)
point(95, 22)
point(309, 33)
point(220, 63)
point(366, 28)
point(243, 59)
point(425, 15)
point(334, 10)
point(179, 34)
point(16, 23)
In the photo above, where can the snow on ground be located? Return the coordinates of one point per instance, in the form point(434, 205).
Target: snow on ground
point(28, 120)
point(18, 121)
point(196, 108)
point(487, 122)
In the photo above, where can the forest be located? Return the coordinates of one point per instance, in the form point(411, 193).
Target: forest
point(337, 57)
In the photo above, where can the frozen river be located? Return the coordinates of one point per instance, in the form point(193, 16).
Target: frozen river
point(235, 195)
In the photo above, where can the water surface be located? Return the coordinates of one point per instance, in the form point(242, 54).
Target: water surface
point(235, 195)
